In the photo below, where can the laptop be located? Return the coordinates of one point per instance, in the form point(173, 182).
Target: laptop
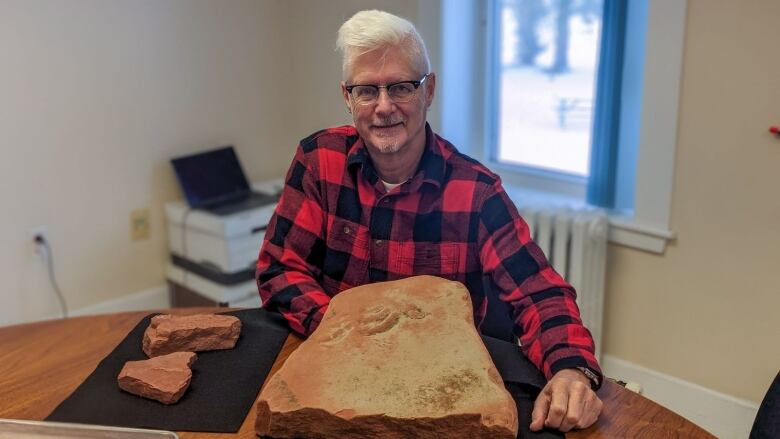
point(214, 181)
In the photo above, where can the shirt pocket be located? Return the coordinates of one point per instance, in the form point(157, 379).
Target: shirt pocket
point(348, 237)
point(431, 258)
point(346, 257)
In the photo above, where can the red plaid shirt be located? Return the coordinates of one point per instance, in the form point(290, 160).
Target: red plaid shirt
point(336, 227)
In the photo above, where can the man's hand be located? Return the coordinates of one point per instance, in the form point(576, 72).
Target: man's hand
point(566, 402)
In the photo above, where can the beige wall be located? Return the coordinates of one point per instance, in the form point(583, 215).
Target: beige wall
point(316, 70)
point(707, 310)
point(95, 97)
point(100, 94)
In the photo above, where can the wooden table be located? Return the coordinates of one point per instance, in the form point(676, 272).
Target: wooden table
point(42, 363)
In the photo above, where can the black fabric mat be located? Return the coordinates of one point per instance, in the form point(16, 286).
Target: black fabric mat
point(224, 383)
point(523, 381)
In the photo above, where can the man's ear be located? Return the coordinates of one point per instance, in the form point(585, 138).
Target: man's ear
point(430, 89)
point(345, 94)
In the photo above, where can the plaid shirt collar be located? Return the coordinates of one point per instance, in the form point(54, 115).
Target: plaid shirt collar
point(432, 168)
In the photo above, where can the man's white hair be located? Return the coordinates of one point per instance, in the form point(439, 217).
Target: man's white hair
point(370, 30)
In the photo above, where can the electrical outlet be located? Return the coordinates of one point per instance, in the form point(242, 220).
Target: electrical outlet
point(634, 387)
point(39, 232)
point(139, 224)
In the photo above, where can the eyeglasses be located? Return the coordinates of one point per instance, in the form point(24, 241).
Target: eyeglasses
point(366, 94)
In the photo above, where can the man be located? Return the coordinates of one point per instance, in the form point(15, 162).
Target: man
point(388, 199)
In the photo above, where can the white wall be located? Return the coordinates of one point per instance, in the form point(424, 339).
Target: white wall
point(95, 97)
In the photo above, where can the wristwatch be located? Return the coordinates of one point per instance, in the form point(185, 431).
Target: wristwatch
point(591, 376)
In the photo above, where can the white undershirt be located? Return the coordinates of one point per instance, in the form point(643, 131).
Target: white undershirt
point(391, 186)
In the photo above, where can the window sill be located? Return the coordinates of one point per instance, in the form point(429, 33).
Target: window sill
point(624, 229)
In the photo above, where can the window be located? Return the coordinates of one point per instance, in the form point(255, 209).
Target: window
point(559, 67)
point(648, 126)
point(547, 54)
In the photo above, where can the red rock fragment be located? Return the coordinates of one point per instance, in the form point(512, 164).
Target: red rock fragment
point(164, 378)
point(201, 332)
point(392, 360)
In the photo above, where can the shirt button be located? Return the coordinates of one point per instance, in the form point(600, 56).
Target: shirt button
point(379, 242)
point(346, 230)
point(386, 200)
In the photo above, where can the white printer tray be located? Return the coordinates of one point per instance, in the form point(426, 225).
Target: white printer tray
point(242, 295)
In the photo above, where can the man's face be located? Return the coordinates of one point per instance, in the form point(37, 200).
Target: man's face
point(386, 126)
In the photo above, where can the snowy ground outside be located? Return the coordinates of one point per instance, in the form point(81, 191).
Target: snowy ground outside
point(531, 130)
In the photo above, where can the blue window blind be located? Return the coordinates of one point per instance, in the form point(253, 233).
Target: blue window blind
point(606, 120)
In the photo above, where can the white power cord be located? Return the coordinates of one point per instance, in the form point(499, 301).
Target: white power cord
point(44, 250)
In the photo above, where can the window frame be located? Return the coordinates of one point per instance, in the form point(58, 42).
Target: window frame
point(465, 120)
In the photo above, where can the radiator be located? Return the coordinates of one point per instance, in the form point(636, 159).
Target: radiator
point(575, 242)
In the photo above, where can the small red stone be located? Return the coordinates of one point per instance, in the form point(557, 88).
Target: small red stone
point(201, 332)
point(164, 378)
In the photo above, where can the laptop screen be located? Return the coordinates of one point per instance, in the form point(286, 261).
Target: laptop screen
point(211, 177)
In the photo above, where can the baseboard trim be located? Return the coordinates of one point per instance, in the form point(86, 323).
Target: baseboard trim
point(152, 298)
point(723, 415)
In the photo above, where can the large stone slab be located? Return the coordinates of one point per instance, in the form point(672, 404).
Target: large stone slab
point(390, 360)
point(194, 333)
point(164, 378)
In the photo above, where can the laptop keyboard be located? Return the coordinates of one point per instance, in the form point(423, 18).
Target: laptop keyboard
point(254, 200)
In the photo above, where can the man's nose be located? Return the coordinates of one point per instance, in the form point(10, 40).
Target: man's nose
point(384, 104)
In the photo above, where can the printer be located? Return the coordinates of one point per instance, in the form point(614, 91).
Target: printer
point(214, 236)
point(215, 255)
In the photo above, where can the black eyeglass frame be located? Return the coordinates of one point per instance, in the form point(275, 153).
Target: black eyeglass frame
point(415, 84)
